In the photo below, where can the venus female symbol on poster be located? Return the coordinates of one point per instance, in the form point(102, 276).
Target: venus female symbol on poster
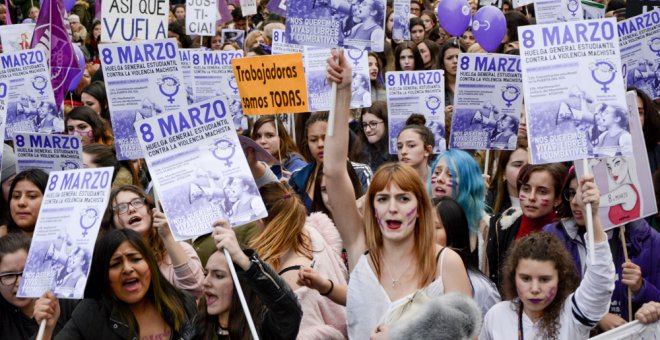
point(169, 86)
point(603, 72)
point(40, 83)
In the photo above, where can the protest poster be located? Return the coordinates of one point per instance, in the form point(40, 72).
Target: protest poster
point(637, 7)
point(401, 24)
point(186, 70)
point(3, 114)
point(318, 88)
point(337, 23)
point(277, 7)
point(63, 241)
point(16, 37)
point(573, 89)
point(549, 11)
point(200, 17)
point(237, 36)
point(30, 101)
point(281, 45)
point(593, 10)
point(214, 77)
point(420, 92)
point(520, 3)
point(640, 52)
point(271, 84)
point(47, 152)
point(142, 79)
point(124, 21)
point(496, 3)
point(259, 152)
point(248, 7)
point(632, 331)
point(625, 183)
point(199, 169)
point(488, 102)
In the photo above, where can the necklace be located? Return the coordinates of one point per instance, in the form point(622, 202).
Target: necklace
point(395, 282)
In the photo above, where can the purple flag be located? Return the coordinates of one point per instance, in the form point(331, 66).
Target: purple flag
point(52, 36)
point(278, 7)
point(225, 15)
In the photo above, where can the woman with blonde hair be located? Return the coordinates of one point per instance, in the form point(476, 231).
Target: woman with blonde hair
point(391, 251)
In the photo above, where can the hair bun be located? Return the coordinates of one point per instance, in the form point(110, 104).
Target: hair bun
point(416, 119)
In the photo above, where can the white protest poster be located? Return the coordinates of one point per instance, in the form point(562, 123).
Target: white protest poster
point(199, 169)
point(416, 92)
point(123, 21)
point(200, 17)
point(625, 183)
point(30, 101)
point(281, 45)
point(632, 331)
point(16, 37)
point(574, 93)
point(593, 10)
point(318, 88)
point(550, 11)
point(186, 70)
point(63, 241)
point(520, 3)
point(639, 37)
point(337, 23)
point(401, 25)
point(248, 7)
point(3, 114)
point(214, 78)
point(47, 152)
point(488, 102)
point(142, 79)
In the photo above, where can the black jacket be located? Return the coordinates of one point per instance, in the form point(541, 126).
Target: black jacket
point(98, 320)
point(280, 315)
point(16, 325)
point(501, 235)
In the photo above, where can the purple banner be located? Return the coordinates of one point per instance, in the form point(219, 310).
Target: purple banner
point(277, 7)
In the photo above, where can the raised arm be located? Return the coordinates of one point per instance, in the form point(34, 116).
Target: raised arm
point(339, 188)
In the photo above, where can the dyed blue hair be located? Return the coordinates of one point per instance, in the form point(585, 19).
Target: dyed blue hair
point(471, 188)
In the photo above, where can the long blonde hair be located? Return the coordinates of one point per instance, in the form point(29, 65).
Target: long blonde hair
point(284, 225)
point(407, 179)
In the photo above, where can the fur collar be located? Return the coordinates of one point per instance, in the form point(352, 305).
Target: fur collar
point(509, 217)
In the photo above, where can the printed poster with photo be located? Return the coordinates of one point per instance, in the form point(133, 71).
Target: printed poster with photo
point(488, 102)
point(199, 169)
point(63, 241)
point(550, 11)
point(214, 78)
point(332, 23)
point(574, 92)
point(16, 37)
point(420, 92)
point(186, 70)
point(640, 52)
point(30, 101)
point(625, 183)
point(47, 152)
point(401, 25)
point(237, 36)
point(142, 79)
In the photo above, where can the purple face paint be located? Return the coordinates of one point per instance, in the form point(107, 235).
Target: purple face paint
point(545, 202)
point(551, 295)
point(412, 212)
point(380, 222)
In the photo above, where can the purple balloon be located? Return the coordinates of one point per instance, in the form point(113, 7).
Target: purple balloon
point(454, 16)
point(68, 4)
point(81, 62)
point(489, 27)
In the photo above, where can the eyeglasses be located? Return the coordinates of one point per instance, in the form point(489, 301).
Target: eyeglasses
point(122, 208)
point(569, 194)
point(9, 279)
point(371, 125)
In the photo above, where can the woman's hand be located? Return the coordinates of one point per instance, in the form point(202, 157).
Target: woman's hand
point(161, 225)
point(47, 307)
point(309, 277)
point(632, 276)
point(610, 322)
point(649, 312)
point(339, 70)
point(225, 238)
point(588, 193)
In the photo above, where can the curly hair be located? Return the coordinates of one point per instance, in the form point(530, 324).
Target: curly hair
point(541, 247)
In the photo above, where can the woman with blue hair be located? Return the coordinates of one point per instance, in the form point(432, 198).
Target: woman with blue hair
point(456, 174)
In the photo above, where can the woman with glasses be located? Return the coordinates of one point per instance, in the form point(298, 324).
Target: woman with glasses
point(16, 320)
point(640, 273)
point(371, 146)
point(131, 208)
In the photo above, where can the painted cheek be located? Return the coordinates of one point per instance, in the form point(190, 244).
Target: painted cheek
point(380, 222)
point(412, 212)
point(545, 202)
point(412, 220)
point(551, 295)
point(522, 197)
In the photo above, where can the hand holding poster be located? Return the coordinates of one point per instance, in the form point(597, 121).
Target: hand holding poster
point(640, 52)
point(420, 92)
point(271, 84)
point(331, 23)
point(142, 79)
point(30, 102)
point(488, 102)
point(625, 183)
point(124, 21)
point(47, 152)
point(63, 241)
point(199, 169)
point(574, 92)
point(549, 11)
point(200, 17)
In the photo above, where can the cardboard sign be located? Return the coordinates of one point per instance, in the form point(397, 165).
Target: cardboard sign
point(271, 84)
point(123, 21)
point(200, 17)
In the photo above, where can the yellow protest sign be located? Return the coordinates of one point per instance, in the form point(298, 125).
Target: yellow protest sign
point(271, 84)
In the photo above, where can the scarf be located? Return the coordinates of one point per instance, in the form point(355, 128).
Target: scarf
point(529, 225)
